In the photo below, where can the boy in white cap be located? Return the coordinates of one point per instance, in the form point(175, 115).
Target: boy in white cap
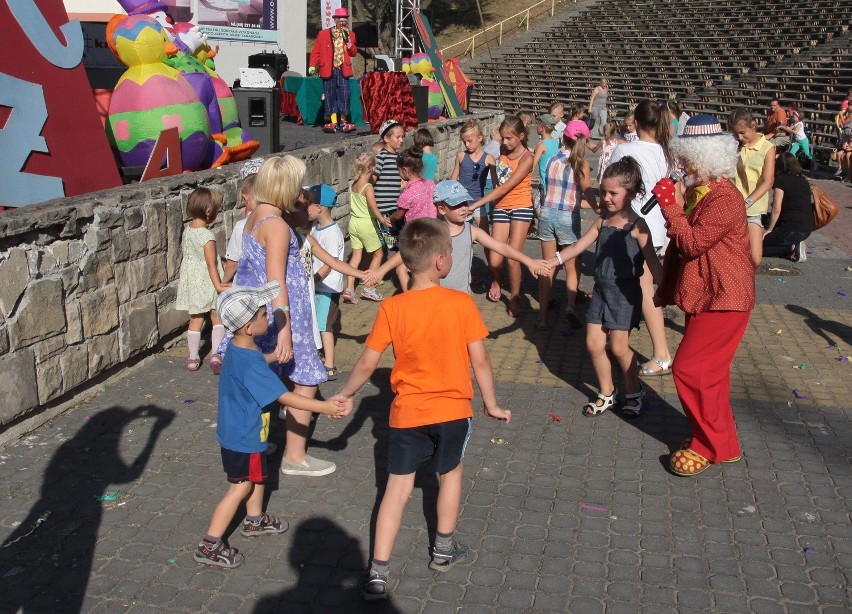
point(246, 386)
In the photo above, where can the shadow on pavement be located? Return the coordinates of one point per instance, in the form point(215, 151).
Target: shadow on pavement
point(330, 567)
point(47, 569)
point(823, 327)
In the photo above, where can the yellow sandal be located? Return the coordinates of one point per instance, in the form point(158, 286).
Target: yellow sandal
point(687, 463)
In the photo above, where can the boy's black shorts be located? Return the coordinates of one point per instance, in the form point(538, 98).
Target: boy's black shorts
point(444, 443)
point(244, 466)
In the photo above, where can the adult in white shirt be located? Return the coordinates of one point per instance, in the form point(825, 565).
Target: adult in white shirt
point(651, 151)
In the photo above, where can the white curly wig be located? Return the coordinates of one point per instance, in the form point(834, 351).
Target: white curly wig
point(712, 157)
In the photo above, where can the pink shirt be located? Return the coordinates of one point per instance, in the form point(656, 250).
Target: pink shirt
point(416, 200)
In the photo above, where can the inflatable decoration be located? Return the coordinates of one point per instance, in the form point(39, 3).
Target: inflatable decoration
point(240, 144)
point(420, 64)
point(151, 96)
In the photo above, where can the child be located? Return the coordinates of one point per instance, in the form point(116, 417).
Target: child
point(452, 200)
point(527, 118)
point(557, 110)
point(473, 167)
point(415, 201)
point(437, 335)
point(754, 177)
point(246, 386)
point(424, 142)
point(363, 232)
point(629, 133)
point(328, 283)
point(567, 182)
point(796, 130)
point(388, 181)
point(513, 212)
point(544, 151)
point(616, 306)
point(235, 243)
point(608, 145)
point(200, 272)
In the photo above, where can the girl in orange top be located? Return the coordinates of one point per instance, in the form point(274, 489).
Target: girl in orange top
point(513, 212)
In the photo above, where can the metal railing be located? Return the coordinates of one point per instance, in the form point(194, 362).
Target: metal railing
point(510, 24)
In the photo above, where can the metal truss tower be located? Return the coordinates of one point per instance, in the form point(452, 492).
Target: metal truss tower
point(404, 40)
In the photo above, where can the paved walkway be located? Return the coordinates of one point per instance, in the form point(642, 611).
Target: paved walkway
point(564, 513)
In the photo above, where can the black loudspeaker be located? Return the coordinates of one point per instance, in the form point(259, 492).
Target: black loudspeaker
point(276, 64)
point(366, 33)
point(259, 111)
point(421, 102)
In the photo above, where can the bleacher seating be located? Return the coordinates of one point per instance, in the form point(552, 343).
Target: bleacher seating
point(710, 55)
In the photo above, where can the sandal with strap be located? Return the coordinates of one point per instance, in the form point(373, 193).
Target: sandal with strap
point(634, 409)
point(687, 463)
point(684, 445)
point(493, 296)
point(665, 367)
point(193, 364)
point(593, 409)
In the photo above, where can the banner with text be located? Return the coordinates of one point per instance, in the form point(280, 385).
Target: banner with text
point(327, 8)
point(243, 20)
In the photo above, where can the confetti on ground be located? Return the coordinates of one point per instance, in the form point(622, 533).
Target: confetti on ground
point(189, 401)
point(780, 270)
point(594, 508)
point(808, 550)
point(798, 394)
point(843, 359)
point(499, 441)
point(848, 269)
point(779, 279)
point(841, 293)
point(170, 561)
point(801, 366)
point(110, 496)
point(779, 332)
point(149, 396)
point(554, 417)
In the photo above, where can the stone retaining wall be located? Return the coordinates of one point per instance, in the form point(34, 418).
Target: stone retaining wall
point(88, 283)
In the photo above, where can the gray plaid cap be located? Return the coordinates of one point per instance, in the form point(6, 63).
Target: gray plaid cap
point(251, 167)
point(238, 304)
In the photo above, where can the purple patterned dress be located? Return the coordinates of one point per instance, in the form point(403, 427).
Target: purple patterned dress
point(306, 368)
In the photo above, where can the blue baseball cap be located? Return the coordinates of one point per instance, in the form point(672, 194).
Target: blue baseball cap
point(451, 192)
point(323, 194)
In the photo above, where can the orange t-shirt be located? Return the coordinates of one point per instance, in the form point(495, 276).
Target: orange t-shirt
point(521, 195)
point(429, 330)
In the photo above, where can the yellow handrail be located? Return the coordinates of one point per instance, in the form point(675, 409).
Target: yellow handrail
point(469, 43)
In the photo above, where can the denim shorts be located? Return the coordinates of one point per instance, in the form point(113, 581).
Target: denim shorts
point(755, 219)
point(560, 226)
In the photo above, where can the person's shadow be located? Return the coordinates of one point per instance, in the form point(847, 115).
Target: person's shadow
point(47, 560)
point(822, 327)
point(330, 567)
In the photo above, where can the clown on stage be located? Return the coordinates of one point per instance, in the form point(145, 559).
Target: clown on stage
point(331, 58)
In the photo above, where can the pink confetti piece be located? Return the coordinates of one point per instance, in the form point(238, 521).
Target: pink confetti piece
point(554, 417)
point(798, 394)
point(594, 508)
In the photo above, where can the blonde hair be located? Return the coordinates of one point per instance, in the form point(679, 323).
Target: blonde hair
point(421, 240)
point(577, 156)
point(471, 125)
point(279, 181)
point(361, 163)
point(247, 185)
point(610, 130)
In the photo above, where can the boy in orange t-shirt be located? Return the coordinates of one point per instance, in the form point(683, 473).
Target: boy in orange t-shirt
point(435, 333)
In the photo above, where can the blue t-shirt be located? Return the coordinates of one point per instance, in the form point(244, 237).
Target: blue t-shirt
point(430, 165)
point(246, 386)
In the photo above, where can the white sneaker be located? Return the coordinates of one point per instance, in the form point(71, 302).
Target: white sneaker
point(309, 467)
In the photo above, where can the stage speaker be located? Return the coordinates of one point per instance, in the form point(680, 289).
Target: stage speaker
point(421, 102)
point(275, 64)
point(366, 33)
point(260, 113)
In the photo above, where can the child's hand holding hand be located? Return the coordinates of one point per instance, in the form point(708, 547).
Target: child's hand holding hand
point(370, 278)
point(345, 402)
point(498, 413)
point(542, 267)
point(333, 409)
point(223, 286)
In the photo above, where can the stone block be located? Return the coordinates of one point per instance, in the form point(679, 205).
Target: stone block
point(61, 251)
point(103, 353)
point(46, 263)
point(39, 315)
point(48, 348)
point(174, 231)
point(97, 238)
point(99, 311)
point(4, 339)
point(138, 243)
point(18, 387)
point(138, 326)
point(73, 322)
point(74, 362)
point(169, 319)
point(49, 379)
point(14, 278)
point(97, 270)
point(109, 217)
point(142, 276)
point(155, 223)
point(120, 246)
point(70, 276)
point(133, 218)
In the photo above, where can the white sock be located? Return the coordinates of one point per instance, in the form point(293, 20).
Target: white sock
point(216, 337)
point(193, 341)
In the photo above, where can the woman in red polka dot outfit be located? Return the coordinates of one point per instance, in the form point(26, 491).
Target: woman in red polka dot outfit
point(710, 276)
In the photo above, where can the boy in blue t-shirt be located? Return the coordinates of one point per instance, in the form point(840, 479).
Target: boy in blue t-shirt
point(246, 386)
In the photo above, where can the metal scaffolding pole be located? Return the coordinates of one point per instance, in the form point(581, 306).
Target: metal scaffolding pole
point(404, 44)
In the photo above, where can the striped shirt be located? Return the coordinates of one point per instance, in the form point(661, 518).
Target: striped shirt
point(388, 182)
point(561, 191)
